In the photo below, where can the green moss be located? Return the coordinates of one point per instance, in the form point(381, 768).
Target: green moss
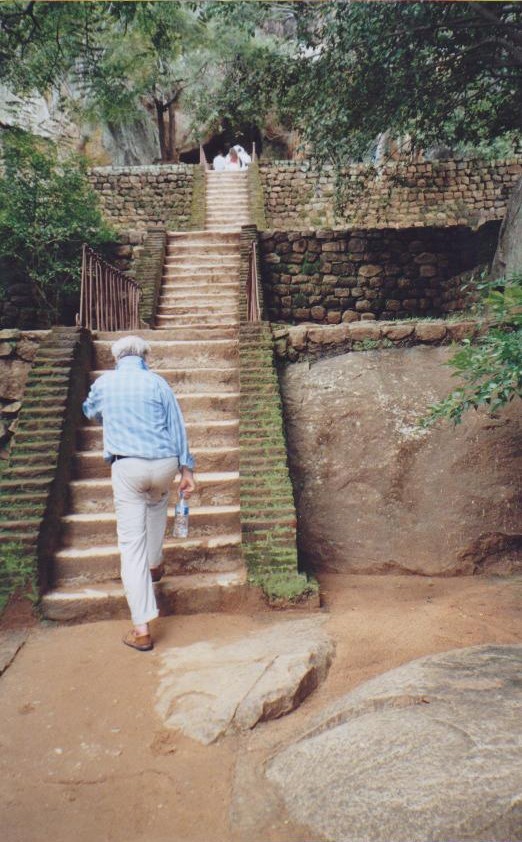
point(285, 585)
point(17, 573)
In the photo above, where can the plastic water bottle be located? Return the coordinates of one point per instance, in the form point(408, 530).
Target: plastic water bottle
point(181, 518)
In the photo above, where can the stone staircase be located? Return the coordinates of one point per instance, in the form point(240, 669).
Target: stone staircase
point(195, 347)
point(227, 206)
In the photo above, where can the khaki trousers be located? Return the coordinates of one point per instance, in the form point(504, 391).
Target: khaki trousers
point(141, 489)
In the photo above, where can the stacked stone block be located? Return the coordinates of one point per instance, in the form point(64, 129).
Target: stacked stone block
point(17, 351)
point(257, 197)
point(398, 194)
point(149, 272)
point(199, 200)
point(268, 517)
point(34, 484)
point(330, 276)
point(308, 342)
point(137, 197)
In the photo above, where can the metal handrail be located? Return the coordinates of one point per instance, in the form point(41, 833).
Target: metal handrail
point(252, 287)
point(109, 299)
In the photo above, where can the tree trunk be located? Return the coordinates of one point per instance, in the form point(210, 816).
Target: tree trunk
point(508, 256)
point(160, 117)
point(173, 151)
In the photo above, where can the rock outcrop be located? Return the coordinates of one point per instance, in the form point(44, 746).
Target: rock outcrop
point(430, 750)
point(208, 690)
point(375, 493)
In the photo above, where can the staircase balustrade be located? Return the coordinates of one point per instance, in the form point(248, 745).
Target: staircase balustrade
point(109, 299)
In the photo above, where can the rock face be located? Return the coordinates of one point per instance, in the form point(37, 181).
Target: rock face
point(208, 691)
point(429, 751)
point(377, 494)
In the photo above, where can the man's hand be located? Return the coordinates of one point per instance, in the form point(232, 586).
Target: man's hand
point(187, 484)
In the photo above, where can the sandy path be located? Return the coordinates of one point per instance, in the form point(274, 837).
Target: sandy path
point(83, 755)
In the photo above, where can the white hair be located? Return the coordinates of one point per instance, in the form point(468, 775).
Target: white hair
point(130, 346)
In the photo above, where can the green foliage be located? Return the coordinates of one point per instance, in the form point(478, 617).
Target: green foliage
point(418, 69)
point(285, 585)
point(47, 210)
point(491, 370)
point(339, 72)
point(310, 267)
point(17, 573)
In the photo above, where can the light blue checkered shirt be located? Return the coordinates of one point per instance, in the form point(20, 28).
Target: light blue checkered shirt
point(140, 415)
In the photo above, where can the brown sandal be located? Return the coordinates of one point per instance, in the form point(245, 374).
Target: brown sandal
point(157, 573)
point(141, 642)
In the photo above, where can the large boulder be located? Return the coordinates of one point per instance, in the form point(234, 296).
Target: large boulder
point(429, 751)
point(209, 690)
point(375, 493)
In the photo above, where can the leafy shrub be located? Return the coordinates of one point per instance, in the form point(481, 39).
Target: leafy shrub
point(47, 210)
point(491, 369)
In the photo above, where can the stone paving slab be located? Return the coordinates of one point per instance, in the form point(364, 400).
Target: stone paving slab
point(208, 690)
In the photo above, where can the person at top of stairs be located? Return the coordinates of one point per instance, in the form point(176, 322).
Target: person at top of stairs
point(145, 440)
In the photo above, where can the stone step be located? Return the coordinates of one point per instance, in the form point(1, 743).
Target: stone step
point(212, 489)
point(170, 320)
point(194, 248)
point(225, 175)
point(223, 217)
point(216, 277)
point(208, 333)
point(167, 353)
point(209, 406)
point(28, 540)
point(224, 227)
point(207, 302)
point(90, 463)
point(227, 227)
point(193, 555)
point(199, 380)
point(230, 281)
point(218, 308)
point(237, 204)
point(203, 236)
point(203, 291)
point(198, 261)
point(225, 592)
point(81, 530)
point(210, 433)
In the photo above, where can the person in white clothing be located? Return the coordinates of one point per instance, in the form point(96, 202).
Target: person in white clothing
point(232, 161)
point(219, 163)
point(244, 157)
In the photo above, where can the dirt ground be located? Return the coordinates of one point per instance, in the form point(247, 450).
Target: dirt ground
point(84, 756)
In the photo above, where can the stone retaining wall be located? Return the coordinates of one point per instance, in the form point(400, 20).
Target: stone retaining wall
point(17, 352)
point(34, 484)
point(329, 276)
point(399, 194)
point(309, 341)
point(132, 198)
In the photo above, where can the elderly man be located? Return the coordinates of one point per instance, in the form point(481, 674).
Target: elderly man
point(145, 441)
